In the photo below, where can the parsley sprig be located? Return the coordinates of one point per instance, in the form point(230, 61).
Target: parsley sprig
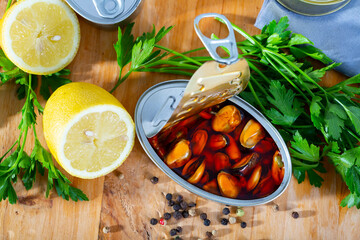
point(318, 122)
point(16, 163)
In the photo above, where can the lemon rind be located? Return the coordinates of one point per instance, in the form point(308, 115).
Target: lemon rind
point(123, 115)
point(6, 39)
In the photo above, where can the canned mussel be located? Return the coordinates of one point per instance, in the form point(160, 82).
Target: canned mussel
point(227, 153)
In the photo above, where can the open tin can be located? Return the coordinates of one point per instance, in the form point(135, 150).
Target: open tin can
point(155, 100)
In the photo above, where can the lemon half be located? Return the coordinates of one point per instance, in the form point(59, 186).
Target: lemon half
point(87, 130)
point(40, 36)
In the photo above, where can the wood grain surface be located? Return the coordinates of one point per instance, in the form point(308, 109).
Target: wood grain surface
point(126, 205)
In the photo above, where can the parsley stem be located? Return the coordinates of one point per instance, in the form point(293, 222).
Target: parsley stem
point(1, 158)
point(175, 63)
point(288, 70)
point(254, 68)
point(258, 85)
point(291, 82)
point(165, 70)
point(121, 79)
point(178, 54)
point(8, 5)
point(188, 52)
point(256, 97)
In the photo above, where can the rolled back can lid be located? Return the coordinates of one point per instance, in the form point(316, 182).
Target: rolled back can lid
point(105, 12)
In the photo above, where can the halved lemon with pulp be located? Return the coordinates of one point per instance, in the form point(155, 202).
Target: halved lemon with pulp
point(87, 130)
point(40, 36)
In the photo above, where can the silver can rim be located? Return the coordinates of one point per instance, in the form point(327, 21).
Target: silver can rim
point(196, 190)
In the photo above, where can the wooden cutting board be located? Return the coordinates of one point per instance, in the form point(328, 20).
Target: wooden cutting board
point(126, 205)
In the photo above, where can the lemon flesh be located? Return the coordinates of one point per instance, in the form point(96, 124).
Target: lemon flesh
point(40, 36)
point(87, 130)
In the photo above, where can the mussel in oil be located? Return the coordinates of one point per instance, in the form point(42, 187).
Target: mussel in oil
point(212, 187)
point(218, 141)
point(228, 185)
point(232, 150)
point(254, 178)
point(179, 155)
point(252, 133)
point(277, 168)
point(194, 170)
point(226, 119)
point(221, 161)
point(198, 141)
point(246, 164)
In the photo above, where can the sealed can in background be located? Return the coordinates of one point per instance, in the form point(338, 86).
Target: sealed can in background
point(314, 7)
point(106, 13)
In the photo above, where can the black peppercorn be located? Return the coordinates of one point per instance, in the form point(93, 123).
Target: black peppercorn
point(154, 180)
point(171, 203)
point(179, 198)
point(185, 214)
point(209, 234)
point(207, 222)
point(179, 229)
point(192, 204)
point(183, 205)
point(243, 224)
point(153, 221)
point(295, 214)
point(167, 216)
point(224, 221)
point(173, 232)
point(178, 238)
point(168, 196)
point(203, 216)
point(226, 211)
point(176, 207)
point(177, 215)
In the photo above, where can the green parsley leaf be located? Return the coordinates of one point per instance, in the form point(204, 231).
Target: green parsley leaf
point(53, 82)
point(297, 39)
point(352, 179)
point(284, 100)
point(303, 151)
point(350, 201)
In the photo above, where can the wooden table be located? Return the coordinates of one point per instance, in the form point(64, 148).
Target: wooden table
point(126, 205)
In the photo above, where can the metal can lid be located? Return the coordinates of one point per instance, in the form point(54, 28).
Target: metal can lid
point(105, 12)
point(157, 104)
point(314, 7)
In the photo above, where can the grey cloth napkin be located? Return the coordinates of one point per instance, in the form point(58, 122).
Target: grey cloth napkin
point(336, 34)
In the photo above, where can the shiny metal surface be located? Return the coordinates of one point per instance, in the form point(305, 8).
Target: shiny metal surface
point(106, 13)
point(155, 97)
point(314, 7)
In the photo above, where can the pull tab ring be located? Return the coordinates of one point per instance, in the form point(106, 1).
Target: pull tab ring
point(109, 8)
point(212, 44)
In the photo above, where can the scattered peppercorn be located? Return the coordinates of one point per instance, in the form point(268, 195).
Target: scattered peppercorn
point(179, 198)
point(162, 221)
point(209, 234)
point(176, 207)
point(121, 176)
point(243, 224)
point(192, 204)
point(295, 214)
point(154, 180)
point(106, 230)
point(226, 211)
point(171, 203)
point(183, 205)
point(168, 196)
point(240, 212)
point(224, 221)
point(192, 212)
point(173, 232)
point(185, 214)
point(203, 216)
point(214, 232)
point(179, 229)
point(275, 208)
point(153, 221)
point(167, 216)
point(232, 220)
point(177, 215)
point(178, 238)
point(207, 222)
